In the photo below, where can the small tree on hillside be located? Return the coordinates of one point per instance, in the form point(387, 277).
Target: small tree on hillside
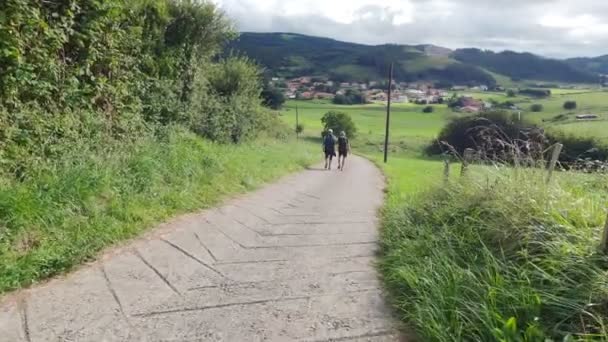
point(273, 97)
point(428, 109)
point(511, 93)
point(339, 121)
point(536, 108)
point(299, 128)
point(570, 105)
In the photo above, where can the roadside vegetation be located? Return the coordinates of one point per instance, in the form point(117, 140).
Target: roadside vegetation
point(498, 255)
point(115, 115)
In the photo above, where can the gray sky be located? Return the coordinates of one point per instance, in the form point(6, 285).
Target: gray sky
point(556, 28)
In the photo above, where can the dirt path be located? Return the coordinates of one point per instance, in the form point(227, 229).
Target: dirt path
point(293, 261)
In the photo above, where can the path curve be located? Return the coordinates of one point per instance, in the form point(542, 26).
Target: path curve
point(290, 262)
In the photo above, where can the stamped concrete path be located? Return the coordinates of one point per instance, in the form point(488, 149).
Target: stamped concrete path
point(291, 262)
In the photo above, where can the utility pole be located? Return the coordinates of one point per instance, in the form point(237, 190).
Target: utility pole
point(297, 124)
point(388, 112)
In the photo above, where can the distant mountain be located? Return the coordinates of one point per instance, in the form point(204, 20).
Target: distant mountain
point(597, 65)
point(524, 66)
point(292, 55)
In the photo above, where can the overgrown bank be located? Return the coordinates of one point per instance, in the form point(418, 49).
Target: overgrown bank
point(70, 211)
point(508, 259)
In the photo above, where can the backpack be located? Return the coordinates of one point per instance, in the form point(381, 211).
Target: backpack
point(329, 142)
point(342, 143)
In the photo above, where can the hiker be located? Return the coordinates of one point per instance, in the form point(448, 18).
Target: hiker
point(329, 147)
point(343, 150)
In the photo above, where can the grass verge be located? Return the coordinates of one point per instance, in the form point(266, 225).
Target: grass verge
point(501, 257)
point(68, 213)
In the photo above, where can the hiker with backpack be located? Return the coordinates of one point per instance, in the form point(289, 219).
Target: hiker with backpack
point(343, 150)
point(329, 147)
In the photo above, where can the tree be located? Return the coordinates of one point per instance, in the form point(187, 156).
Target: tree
point(536, 108)
point(350, 97)
point(511, 93)
point(454, 101)
point(536, 92)
point(299, 128)
point(273, 97)
point(428, 109)
point(570, 105)
point(338, 122)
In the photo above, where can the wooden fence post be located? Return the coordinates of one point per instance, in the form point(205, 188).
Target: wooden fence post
point(557, 150)
point(446, 169)
point(466, 160)
point(604, 243)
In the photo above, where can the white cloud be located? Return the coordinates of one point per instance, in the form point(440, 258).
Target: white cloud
point(551, 27)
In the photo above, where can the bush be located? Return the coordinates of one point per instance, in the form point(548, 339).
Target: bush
point(351, 97)
point(535, 92)
point(428, 109)
point(299, 128)
point(506, 260)
point(339, 121)
point(511, 93)
point(491, 133)
point(273, 97)
point(578, 147)
point(468, 132)
point(226, 100)
point(536, 108)
point(570, 105)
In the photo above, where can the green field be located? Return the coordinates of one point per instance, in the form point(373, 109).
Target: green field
point(554, 117)
point(410, 128)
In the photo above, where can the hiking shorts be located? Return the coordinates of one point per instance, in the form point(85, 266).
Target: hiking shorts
point(330, 154)
point(343, 153)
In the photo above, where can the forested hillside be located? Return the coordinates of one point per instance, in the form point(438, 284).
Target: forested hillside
point(291, 55)
point(595, 65)
point(524, 66)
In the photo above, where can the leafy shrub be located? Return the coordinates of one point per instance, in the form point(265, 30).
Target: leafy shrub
point(492, 131)
point(351, 97)
point(299, 128)
point(226, 100)
point(536, 92)
point(536, 108)
point(578, 147)
point(511, 93)
point(462, 133)
point(428, 109)
point(273, 97)
point(339, 121)
point(570, 105)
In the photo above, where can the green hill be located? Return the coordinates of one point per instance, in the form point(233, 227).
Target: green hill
point(292, 55)
point(524, 66)
point(597, 65)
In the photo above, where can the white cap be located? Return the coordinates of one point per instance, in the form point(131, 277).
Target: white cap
point(330, 130)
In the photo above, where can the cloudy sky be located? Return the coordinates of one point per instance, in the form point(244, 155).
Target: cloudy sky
point(556, 28)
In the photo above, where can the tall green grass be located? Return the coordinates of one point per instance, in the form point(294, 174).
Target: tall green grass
point(501, 257)
point(70, 210)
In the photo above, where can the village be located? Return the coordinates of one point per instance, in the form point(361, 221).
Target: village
point(421, 93)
